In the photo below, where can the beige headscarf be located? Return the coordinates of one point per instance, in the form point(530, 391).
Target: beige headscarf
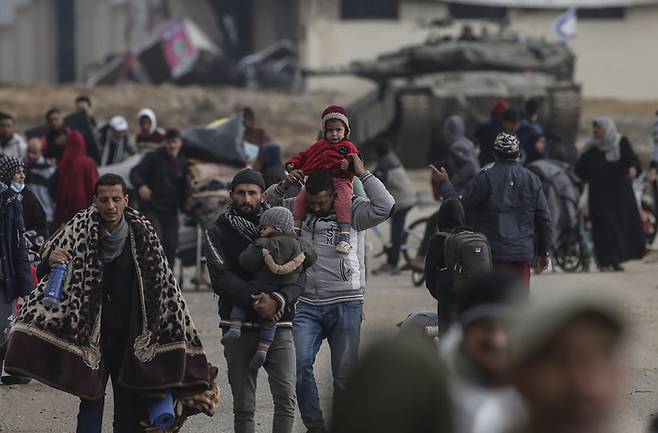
point(609, 143)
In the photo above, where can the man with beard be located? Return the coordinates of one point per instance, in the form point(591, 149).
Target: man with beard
point(56, 135)
point(227, 238)
point(331, 307)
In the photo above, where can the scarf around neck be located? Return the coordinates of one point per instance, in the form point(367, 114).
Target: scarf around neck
point(246, 226)
point(609, 143)
point(113, 242)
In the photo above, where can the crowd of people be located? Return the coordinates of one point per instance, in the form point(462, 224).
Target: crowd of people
point(287, 259)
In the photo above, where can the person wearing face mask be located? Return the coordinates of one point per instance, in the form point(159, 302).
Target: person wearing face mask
point(34, 217)
point(15, 275)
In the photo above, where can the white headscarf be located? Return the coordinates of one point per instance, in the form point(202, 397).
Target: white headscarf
point(609, 143)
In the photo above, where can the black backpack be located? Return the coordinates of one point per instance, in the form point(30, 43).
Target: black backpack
point(467, 255)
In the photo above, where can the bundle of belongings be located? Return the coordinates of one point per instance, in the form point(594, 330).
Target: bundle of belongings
point(215, 155)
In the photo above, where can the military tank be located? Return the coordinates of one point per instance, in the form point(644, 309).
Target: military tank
point(419, 86)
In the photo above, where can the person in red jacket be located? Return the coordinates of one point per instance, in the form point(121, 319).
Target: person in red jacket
point(76, 176)
point(330, 154)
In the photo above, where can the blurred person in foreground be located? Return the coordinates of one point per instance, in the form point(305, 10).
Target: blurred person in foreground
point(149, 133)
point(115, 144)
point(40, 178)
point(159, 179)
point(476, 348)
point(609, 166)
point(506, 203)
point(396, 179)
point(11, 143)
point(399, 386)
point(566, 366)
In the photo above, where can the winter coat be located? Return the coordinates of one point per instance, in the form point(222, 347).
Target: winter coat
point(392, 173)
point(15, 147)
point(339, 277)
point(76, 176)
point(16, 275)
point(324, 156)
point(165, 178)
point(272, 168)
point(507, 204)
point(114, 151)
point(155, 134)
point(283, 248)
point(485, 135)
point(41, 180)
point(463, 159)
point(34, 216)
point(234, 285)
point(438, 279)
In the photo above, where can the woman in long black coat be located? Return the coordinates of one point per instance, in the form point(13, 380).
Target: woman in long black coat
point(609, 165)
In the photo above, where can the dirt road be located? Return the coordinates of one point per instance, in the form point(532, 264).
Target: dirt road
point(37, 408)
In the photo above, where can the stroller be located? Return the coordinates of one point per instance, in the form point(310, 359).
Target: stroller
point(570, 250)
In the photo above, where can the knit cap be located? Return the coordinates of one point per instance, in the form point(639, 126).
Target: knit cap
point(248, 175)
point(336, 112)
point(8, 167)
point(278, 217)
point(507, 145)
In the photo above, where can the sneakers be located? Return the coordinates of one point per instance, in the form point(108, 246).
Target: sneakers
point(343, 247)
point(386, 269)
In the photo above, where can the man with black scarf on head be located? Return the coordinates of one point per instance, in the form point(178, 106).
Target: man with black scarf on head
point(227, 238)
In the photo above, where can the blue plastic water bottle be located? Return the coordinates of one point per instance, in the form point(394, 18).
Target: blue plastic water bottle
point(55, 285)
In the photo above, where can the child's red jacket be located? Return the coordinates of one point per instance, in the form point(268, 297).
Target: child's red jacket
point(324, 156)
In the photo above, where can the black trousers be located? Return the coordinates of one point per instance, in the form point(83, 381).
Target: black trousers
point(166, 226)
point(126, 401)
point(397, 231)
point(431, 228)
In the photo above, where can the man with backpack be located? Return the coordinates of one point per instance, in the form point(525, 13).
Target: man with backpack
point(506, 203)
point(441, 266)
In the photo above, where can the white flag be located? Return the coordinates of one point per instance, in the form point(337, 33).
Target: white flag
point(565, 25)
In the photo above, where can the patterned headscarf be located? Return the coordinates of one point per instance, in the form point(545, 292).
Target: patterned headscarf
point(609, 143)
point(8, 168)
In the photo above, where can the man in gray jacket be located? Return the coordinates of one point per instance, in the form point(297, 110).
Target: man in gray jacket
point(331, 306)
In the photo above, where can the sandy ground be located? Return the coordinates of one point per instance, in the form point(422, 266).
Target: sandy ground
point(37, 408)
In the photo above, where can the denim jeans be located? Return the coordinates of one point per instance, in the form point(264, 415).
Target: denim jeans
point(340, 324)
point(280, 368)
point(126, 401)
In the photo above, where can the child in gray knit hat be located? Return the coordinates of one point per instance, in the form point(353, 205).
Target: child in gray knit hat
point(276, 258)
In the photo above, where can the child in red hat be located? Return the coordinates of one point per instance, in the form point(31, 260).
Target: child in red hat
point(330, 154)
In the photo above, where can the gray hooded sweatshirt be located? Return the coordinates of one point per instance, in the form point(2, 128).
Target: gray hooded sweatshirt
point(462, 151)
